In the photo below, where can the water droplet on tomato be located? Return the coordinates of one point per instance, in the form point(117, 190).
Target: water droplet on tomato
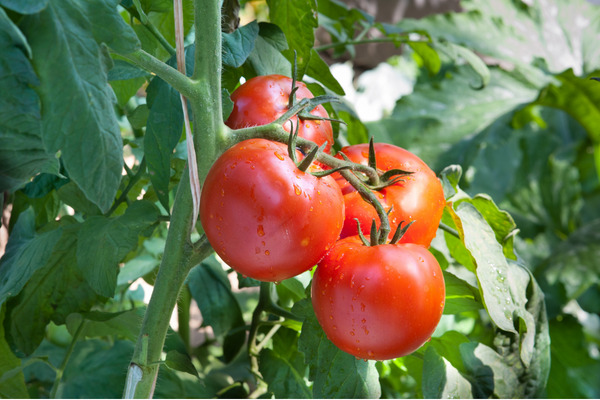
point(364, 320)
point(267, 252)
point(362, 306)
point(370, 354)
point(297, 190)
point(222, 192)
point(279, 155)
point(305, 242)
point(260, 231)
point(334, 327)
point(352, 333)
point(331, 317)
point(366, 330)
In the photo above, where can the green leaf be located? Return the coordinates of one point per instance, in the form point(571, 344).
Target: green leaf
point(298, 20)
point(22, 151)
point(55, 290)
point(13, 386)
point(489, 372)
point(575, 373)
point(456, 51)
point(136, 268)
point(238, 45)
point(335, 374)
point(73, 196)
point(24, 6)
point(580, 97)
point(266, 58)
point(573, 263)
point(502, 292)
point(439, 114)
point(562, 34)
point(78, 116)
point(460, 295)
point(429, 57)
point(103, 242)
point(318, 69)
point(500, 221)
point(125, 324)
point(283, 379)
point(180, 362)
point(220, 309)
point(164, 129)
point(93, 364)
point(441, 380)
point(26, 252)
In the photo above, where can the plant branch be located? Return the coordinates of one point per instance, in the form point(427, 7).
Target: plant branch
point(143, 18)
point(148, 62)
point(60, 371)
point(132, 181)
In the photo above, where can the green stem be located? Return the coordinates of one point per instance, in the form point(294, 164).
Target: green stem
point(367, 41)
point(449, 229)
point(180, 82)
point(152, 29)
point(60, 371)
point(183, 315)
point(132, 181)
point(180, 255)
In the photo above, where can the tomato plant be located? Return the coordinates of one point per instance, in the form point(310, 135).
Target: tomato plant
point(113, 112)
point(263, 99)
point(266, 218)
point(378, 302)
point(415, 197)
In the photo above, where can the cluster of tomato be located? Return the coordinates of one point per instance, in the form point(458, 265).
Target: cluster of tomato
point(271, 220)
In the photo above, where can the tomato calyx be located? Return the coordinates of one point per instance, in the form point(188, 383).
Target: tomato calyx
point(376, 237)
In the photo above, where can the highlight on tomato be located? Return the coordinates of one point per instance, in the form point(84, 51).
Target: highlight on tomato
point(263, 99)
point(378, 302)
point(266, 218)
point(417, 197)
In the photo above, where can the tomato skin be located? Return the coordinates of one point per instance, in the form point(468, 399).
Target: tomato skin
point(378, 302)
point(263, 216)
point(418, 197)
point(263, 99)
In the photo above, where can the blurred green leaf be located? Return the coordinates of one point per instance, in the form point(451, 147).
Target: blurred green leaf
point(335, 374)
point(574, 373)
point(13, 386)
point(439, 114)
point(22, 151)
point(25, 6)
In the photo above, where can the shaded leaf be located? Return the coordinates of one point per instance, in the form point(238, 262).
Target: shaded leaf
point(335, 374)
point(283, 379)
point(22, 151)
point(25, 6)
point(13, 386)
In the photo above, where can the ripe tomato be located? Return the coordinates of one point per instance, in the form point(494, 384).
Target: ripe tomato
point(418, 197)
point(263, 99)
point(266, 218)
point(378, 302)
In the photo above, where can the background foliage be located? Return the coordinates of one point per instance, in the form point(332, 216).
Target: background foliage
point(503, 107)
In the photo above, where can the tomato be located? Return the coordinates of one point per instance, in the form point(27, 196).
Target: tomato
point(263, 216)
point(263, 99)
point(418, 197)
point(378, 302)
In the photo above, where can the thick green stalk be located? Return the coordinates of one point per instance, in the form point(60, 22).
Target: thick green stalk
point(204, 94)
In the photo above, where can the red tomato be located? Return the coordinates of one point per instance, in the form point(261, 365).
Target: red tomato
point(418, 197)
point(263, 99)
point(378, 302)
point(264, 217)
